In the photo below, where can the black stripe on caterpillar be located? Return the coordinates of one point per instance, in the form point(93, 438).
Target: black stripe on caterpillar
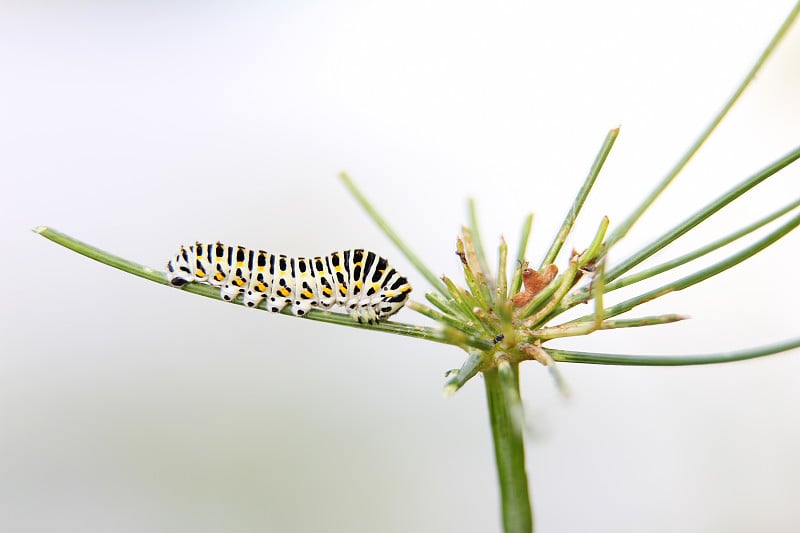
point(361, 281)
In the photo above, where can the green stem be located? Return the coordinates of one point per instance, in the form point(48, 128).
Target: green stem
point(580, 198)
point(478, 242)
point(442, 318)
point(501, 293)
point(476, 278)
point(567, 356)
point(583, 293)
point(703, 274)
point(392, 235)
point(509, 453)
point(626, 225)
point(579, 328)
point(516, 281)
point(700, 216)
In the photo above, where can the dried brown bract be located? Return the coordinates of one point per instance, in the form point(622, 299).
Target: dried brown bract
point(534, 282)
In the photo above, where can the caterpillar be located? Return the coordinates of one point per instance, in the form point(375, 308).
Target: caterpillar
point(361, 281)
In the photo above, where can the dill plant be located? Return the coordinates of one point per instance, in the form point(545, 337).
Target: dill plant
point(501, 322)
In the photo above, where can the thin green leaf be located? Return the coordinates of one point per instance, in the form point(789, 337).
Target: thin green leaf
point(501, 293)
point(583, 293)
point(596, 246)
point(443, 318)
point(577, 204)
point(478, 242)
point(465, 302)
point(477, 288)
point(468, 370)
point(474, 275)
point(446, 306)
point(702, 274)
point(691, 222)
point(516, 281)
point(626, 225)
point(598, 284)
point(567, 356)
point(578, 328)
point(392, 235)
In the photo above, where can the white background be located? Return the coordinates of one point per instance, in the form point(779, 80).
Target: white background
point(126, 406)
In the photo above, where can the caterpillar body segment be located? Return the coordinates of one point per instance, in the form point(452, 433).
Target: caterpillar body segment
point(238, 273)
point(326, 284)
point(305, 287)
point(260, 279)
point(359, 280)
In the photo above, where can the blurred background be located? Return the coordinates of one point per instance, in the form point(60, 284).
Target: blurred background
point(126, 406)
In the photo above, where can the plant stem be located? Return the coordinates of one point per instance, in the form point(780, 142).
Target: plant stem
point(568, 356)
point(381, 222)
point(583, 293)
point(509, 452)
point(478, 242)
point(580, 198)
point(626, 225)
point(700, 216)
point(516, 281)
point(702, 274)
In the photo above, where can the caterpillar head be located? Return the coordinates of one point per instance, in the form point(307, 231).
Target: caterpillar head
point(179, 271)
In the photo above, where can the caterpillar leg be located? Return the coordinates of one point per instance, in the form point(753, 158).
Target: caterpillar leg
point(252, 298)
point(276, 305)
point(229, 292)
point(363, 314)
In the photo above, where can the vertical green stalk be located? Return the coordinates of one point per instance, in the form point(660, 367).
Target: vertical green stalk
point(509, 452)
point(516, 281)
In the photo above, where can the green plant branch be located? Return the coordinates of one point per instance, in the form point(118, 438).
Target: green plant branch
point(700, 216)
point(470, 368)
point(392, 235)
point(582, 294)
point(574, 329)
point(516, 280)
point(501, 293)
point(595, 247)
point(702, 274)
point(436, 316)
point(450, 308)
point(477, 279)
point(626, 225)
point(568, 356)
point(480, 252)
point(580, 198)
point(465, 301)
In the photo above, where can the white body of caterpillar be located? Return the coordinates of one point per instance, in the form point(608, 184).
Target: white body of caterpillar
point(361, 281)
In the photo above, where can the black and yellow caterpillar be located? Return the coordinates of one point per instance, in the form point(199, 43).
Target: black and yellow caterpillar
point(361, 281)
